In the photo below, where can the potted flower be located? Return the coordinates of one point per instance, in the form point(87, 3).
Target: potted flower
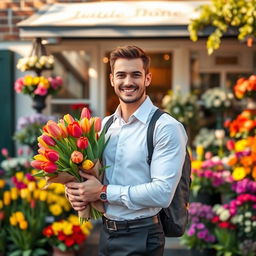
point(66, 236)
point(245, 87)
point(28, 129)
point(199, 236)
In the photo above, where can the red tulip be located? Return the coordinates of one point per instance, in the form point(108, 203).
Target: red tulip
point(48, 140)
point(77, 157)
point(82, 143)
point(52, 155)
point(37, 164)
point(49, 167)
point(75, 130)
point(85, 113)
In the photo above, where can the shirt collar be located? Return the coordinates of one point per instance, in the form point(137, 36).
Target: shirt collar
point(142, 113)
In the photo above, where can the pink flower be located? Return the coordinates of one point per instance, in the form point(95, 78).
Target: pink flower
point(20, 151)
point(55, 82)
point(40, 91)
point(5, 152)
point(18, 85)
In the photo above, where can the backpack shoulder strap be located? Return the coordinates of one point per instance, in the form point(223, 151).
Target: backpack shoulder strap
point(150, 133)
point(108, 123)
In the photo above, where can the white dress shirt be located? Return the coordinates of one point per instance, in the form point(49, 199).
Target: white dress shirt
point(135, 189)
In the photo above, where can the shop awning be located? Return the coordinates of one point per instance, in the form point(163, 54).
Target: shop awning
point(111, 19)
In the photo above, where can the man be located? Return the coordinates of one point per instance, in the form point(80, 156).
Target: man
point(135, 192)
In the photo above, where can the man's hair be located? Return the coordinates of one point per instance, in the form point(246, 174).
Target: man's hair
point(129, 52)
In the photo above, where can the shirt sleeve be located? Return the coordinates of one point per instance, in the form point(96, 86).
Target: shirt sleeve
point(166, 168)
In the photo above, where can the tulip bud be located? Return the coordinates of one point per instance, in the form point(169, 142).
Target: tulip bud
point(14, 193)
point(43, 195)
point(82, 143)
point(49, 167)
point(31, 186)
point(87, 164)
point(23, 225)
point(1, 204)
point(97, 124)
point(47, 140)
point(53, 129)
point(37, 164)
point(13, 220)
point(7, 197)
point(1, 215)
point(63, 128)
point(19, 216)
point(85, 113)
point(2, 183)
point(77, 157)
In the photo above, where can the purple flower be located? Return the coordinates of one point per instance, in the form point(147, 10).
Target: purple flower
point(202, 234)
point(191, 231)
point(200, 226)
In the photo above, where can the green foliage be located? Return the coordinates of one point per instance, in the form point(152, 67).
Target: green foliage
point(224, 14)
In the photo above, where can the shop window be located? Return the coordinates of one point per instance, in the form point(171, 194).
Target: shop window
point(73, 67)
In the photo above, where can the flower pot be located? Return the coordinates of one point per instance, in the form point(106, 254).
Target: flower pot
point(203, 252)
point(57, 252)
point(39, 103)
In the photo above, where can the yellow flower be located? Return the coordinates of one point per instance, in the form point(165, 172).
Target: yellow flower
point(239, 173)
point(41, 183)
point(44, 82)
point(59, 188)
point(241, 145)
point(28, 80)
point(34, 171)
point(13, 220)
point(73, 219)
point(19, 176)
point(14, 193)
point(36, 193)
point(19, 216)
point(41, 158)
point(87, 164)
point(67, 228)
point(24, 193)
point(23, 225)
point(56, 227)
point(2, 183)
point(85, 230)
point(7, 197)
point(67, 206)
point(55, 209)
point(200, 152)
point(1, 204)
point(88, 224)
point(31, 186)
point(36, 80)
point(196, 164)
point(43, 195)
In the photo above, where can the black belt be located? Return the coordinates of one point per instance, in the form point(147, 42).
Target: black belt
point(114, 225)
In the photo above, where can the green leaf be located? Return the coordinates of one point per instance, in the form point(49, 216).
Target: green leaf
point(40, 251)
point(89, 152)
point(62, 247)
point(39, 174)
point(27, 252)
point(16, 253)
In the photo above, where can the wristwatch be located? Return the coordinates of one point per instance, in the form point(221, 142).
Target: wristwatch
point(103, 194)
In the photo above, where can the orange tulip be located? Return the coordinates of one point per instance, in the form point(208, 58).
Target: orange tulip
point(85, 113)
point(97, 123)
point(77, 157)
point(75, 130)
point(85, 125)
point(68, 119)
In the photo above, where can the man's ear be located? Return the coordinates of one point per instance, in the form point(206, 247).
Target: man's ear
point(148, 79)
point(111, 78)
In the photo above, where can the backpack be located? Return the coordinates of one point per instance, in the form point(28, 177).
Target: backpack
point(174, 218)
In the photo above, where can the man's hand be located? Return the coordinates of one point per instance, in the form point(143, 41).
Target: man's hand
point(80, 194)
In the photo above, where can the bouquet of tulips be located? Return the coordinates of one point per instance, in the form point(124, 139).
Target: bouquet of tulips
point(68, 146)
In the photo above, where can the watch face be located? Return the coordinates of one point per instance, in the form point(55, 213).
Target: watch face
point(103, 196)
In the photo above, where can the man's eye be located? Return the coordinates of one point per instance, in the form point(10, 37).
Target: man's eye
point(120, 76)
point(136, 75)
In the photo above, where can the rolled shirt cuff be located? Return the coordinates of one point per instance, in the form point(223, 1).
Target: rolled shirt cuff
point(116, 194)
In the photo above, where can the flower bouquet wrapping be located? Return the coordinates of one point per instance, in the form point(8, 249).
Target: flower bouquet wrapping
point(68, 146)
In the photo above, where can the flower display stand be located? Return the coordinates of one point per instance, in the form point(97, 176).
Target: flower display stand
point(204, 252)
point(39, 103)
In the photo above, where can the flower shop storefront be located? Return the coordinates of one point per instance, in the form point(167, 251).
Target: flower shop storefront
point(67, 69)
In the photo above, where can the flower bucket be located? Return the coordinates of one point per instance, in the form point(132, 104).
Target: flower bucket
point(57, 252)
point(39, 103)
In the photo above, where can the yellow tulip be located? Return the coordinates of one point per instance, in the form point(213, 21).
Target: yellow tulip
point(2, 183)
point(14, 193)
point(41, 158)
point(85, 230)
point(31, 186)
point(67, 228)
point(23, 225)
point(56, 227)
point(43, 195)
point(13, 220)
point(24, 193)
point(41, 183)
point(73, 219)
point(59, 188)
point(68, 119)
point(196, 164)
point(36, 193)
point(88, 224)
point(200, 152)
point(1, 204)
point(87, 164)
point(55, 209)
point(19, 216)
point(7, 197)
point(19, 176)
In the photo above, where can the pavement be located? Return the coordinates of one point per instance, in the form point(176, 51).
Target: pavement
point(172, 245)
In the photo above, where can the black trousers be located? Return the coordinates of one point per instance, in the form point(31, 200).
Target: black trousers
point(144, 241)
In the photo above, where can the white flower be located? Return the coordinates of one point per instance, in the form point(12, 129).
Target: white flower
point(247, 229)
point(248, 214)
point(247, 223)
point(224, 215)
point(254, 224)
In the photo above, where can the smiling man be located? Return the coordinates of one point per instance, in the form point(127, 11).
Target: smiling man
point(134, 192)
